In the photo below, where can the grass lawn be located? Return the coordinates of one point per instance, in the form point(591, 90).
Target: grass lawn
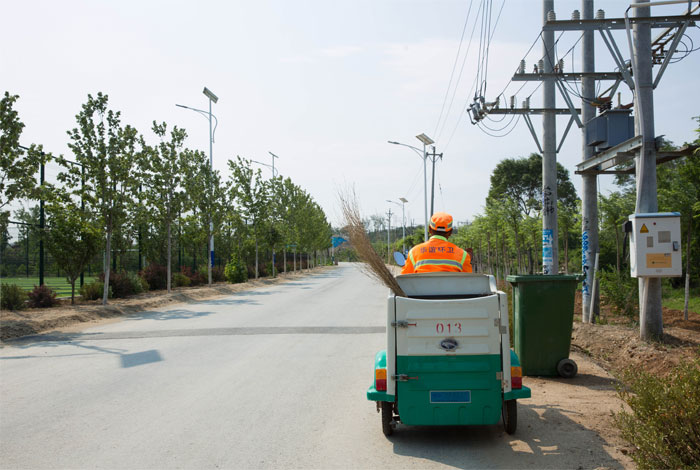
point(59, 284)
point(675, 298)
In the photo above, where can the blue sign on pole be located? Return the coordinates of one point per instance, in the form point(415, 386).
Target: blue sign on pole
point(338, 241)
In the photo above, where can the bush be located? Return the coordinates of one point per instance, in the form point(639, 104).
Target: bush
point(620, 292)
point(180, 280)
point(94, 291)
point(156, 276)
point(42, 297)
point(217, 274)
point(12, 296)
point(124, 284)
point(665, 412)
point(192, 276)
point(236, 271)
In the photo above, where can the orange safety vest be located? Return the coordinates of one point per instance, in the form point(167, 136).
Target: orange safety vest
point(436, 255)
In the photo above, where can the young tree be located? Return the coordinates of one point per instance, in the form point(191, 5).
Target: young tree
point(205, 196)
point(105, 150)
point(73, 239)
point(249, 190)
point(163, 168)
point(18, 167)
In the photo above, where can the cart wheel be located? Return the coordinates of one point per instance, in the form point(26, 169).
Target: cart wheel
point(510, 415)
point(567, 368)
point(387, 418)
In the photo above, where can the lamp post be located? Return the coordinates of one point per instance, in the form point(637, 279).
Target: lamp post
point(424, 155)
point(403, 219)
point(212, 98)
point(274, 175)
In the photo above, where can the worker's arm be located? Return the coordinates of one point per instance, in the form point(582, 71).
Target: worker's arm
point(408, 267)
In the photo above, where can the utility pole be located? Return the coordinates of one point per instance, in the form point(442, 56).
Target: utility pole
point(433, 156)
point(550, 245)
point(388, 237)
point(650, 316)
point(589, 219)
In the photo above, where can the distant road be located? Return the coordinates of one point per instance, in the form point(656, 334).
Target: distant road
point(273, 377)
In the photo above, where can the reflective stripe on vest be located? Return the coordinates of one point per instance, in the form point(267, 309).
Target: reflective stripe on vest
point(464, 257)
point(439, 262)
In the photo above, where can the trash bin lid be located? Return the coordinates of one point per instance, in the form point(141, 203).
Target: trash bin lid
point(515, 278)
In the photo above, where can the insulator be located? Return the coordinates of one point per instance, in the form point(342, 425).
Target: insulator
point(600, 15)
point(540, 65)
point(526, 103)
point(512, 102)
point(521, 69)
point(561, 65)
point(551, 16)
point(575, 15)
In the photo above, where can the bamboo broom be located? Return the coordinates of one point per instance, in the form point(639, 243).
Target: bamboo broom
point(374, 265)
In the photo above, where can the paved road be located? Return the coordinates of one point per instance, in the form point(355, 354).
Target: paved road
point(268, 378)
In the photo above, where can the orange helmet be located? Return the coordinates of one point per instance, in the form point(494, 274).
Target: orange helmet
point(441, 222)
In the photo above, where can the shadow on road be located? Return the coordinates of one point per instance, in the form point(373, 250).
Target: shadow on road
point(546, 438)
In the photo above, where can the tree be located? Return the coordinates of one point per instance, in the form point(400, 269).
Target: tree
point(249, 191)
point(206, 196)
point(106, 152)
point(163, 167)
point(73, 239)
point(17, 167)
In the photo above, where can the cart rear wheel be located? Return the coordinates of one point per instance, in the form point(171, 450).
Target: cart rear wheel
point(567, 368)
point(387, 418)
point(510, 415)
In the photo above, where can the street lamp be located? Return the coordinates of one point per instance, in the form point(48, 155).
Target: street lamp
point(426, 141)
point(274, 170)
point(403, 219)
point(212, 98)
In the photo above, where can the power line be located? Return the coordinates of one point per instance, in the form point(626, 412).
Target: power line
point(454, 67)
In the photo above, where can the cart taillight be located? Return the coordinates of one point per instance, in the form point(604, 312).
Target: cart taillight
point(516, 377)
point(380, 380)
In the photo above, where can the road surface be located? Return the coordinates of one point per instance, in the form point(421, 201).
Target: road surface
point(273, 377)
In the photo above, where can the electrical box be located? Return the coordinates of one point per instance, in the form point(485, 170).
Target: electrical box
point(655, 245)
point(609, 129)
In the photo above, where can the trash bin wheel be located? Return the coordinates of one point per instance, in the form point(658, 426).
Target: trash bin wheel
point(567, 368)
point(387, 418)
point(509, 412)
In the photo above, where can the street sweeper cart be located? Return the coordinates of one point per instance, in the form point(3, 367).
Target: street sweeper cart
point(448, 359)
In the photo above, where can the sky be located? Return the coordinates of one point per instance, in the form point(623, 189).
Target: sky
point(322, 84)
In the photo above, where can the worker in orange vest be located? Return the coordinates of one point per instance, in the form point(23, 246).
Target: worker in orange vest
point(437, 254)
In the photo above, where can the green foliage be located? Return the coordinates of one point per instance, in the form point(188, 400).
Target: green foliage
point(123, 284)
point(180, 280)
point(18, 167)
point(620, 292)
point(236, 271)
point(664, 420)
point(12, 296)
point(42, 297)
point(94, 290)
point(73, 239)
point(106, 177)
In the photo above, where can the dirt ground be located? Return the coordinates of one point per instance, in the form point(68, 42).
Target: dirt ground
point(602, 352)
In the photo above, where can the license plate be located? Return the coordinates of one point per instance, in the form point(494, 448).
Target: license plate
point(451, 396)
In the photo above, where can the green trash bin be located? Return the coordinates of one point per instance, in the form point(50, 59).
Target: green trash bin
point(543, 315)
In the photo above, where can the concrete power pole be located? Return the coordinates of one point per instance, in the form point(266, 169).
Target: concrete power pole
point(550, 243)
point(589, 219)
point(650, 317)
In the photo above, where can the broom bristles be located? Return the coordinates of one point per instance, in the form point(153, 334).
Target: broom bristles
point(373, 266)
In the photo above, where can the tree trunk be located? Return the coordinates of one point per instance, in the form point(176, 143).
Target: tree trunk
point(617, 248)
point(170, 274)
point(108, 254)
point(285, 259)
point(566, 253)
point(72, 292)
point(256, 256)
point(687, 268)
